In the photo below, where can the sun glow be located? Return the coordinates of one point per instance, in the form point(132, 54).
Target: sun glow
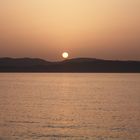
point(65, 55)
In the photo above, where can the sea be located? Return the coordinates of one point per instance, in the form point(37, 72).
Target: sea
point(69, 106)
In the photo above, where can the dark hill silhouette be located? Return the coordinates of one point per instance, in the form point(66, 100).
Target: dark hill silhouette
point(69, 65)
point(21, 61)
point(78, 60)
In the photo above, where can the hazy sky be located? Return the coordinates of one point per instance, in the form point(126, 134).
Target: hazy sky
point(108, 29)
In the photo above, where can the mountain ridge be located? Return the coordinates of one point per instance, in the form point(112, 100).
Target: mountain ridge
point(8, 64)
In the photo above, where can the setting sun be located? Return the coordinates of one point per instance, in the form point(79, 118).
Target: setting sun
point(69, 69)
point(65, 55)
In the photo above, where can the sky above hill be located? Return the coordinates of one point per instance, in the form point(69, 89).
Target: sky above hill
point(108, 29)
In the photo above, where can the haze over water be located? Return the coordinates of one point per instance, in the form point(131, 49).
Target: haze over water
point(106, 29)
point(69, 106)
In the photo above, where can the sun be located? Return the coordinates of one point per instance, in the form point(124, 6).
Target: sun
point(65, 55)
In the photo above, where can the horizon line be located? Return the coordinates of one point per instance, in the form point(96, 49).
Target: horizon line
point(72, 58)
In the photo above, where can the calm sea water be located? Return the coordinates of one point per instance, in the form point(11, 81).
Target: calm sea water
point(69, 106)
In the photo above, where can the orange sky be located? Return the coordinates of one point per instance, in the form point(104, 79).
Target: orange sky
point(108, 29)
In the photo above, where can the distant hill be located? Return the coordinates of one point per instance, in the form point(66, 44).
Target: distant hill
point(21, 61)
point(69, 65)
